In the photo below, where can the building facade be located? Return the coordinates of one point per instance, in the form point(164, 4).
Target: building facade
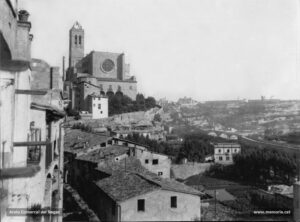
point(156, 163)
point(98, 106)
point(129, 196)
point(31, 133)
point(224, 152)
point(103, 73)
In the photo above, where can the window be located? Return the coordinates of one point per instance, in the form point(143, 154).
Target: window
point(228, 150)
point(173, 202)
point(99, 106)
point(101, 112)
point(141, 205)
point(155, 162)
point(146, 161)
point(219, 150)
point(160, 173)
point(235, 150)
point(227, 158)
point(75, 39)
point(79, 40)
point(220, 158)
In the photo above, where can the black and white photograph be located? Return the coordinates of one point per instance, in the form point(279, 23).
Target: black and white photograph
point(149, 110)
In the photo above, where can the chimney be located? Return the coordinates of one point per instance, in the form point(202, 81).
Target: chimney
point(23, 39)
point(54, 78)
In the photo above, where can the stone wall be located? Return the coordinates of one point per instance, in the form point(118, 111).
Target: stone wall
point(44, 76)
point(76, 51)
point(183, 171)
point(97, 60)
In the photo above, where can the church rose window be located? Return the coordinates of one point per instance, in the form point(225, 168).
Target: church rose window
point(108, 65)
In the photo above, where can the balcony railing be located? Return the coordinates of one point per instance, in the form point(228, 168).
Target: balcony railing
point(33, 160)
point(33, 155)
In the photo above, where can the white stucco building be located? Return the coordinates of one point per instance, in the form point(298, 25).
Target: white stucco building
point(128, 196)
point(98, 106)
point(224, 152)
point(157, 163)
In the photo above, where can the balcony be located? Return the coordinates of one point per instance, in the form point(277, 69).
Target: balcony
point(33, 155)
point(32, 162)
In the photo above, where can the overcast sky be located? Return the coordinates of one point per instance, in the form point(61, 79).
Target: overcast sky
point(206, 49)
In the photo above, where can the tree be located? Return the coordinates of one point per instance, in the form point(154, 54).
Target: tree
point(157, 117)
point(140, 101)
point(150, 102)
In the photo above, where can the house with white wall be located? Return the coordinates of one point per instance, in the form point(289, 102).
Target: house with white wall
point(98, 106)
point(224, 152)
point(157, 163)
point(131, 196)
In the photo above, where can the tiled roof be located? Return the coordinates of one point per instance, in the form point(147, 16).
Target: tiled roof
point(76, 140)
point(169, 184)
point(227, 145)
point(124, 185)
point(104, 153)
point(127, 164)
point(221, 194)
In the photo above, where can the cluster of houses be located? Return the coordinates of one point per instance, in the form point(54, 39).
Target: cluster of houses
point(125, 181)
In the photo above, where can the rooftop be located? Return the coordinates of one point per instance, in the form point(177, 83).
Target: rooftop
point(77, 140)
point(227, 145)
point(124, 185)
point(127, 164)
point(104, 153)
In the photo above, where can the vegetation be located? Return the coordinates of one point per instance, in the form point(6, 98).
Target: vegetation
point(259, 166)
point(157, 117)
point(83, 127)
point(196, 146)
point(120, 103)
point(292, 137)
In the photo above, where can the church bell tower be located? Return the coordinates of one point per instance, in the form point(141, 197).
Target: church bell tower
point(76, 44)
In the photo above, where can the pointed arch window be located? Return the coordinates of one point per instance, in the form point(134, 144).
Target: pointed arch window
point(75, 39)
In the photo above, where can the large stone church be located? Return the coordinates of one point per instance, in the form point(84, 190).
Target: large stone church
point(97, 73)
